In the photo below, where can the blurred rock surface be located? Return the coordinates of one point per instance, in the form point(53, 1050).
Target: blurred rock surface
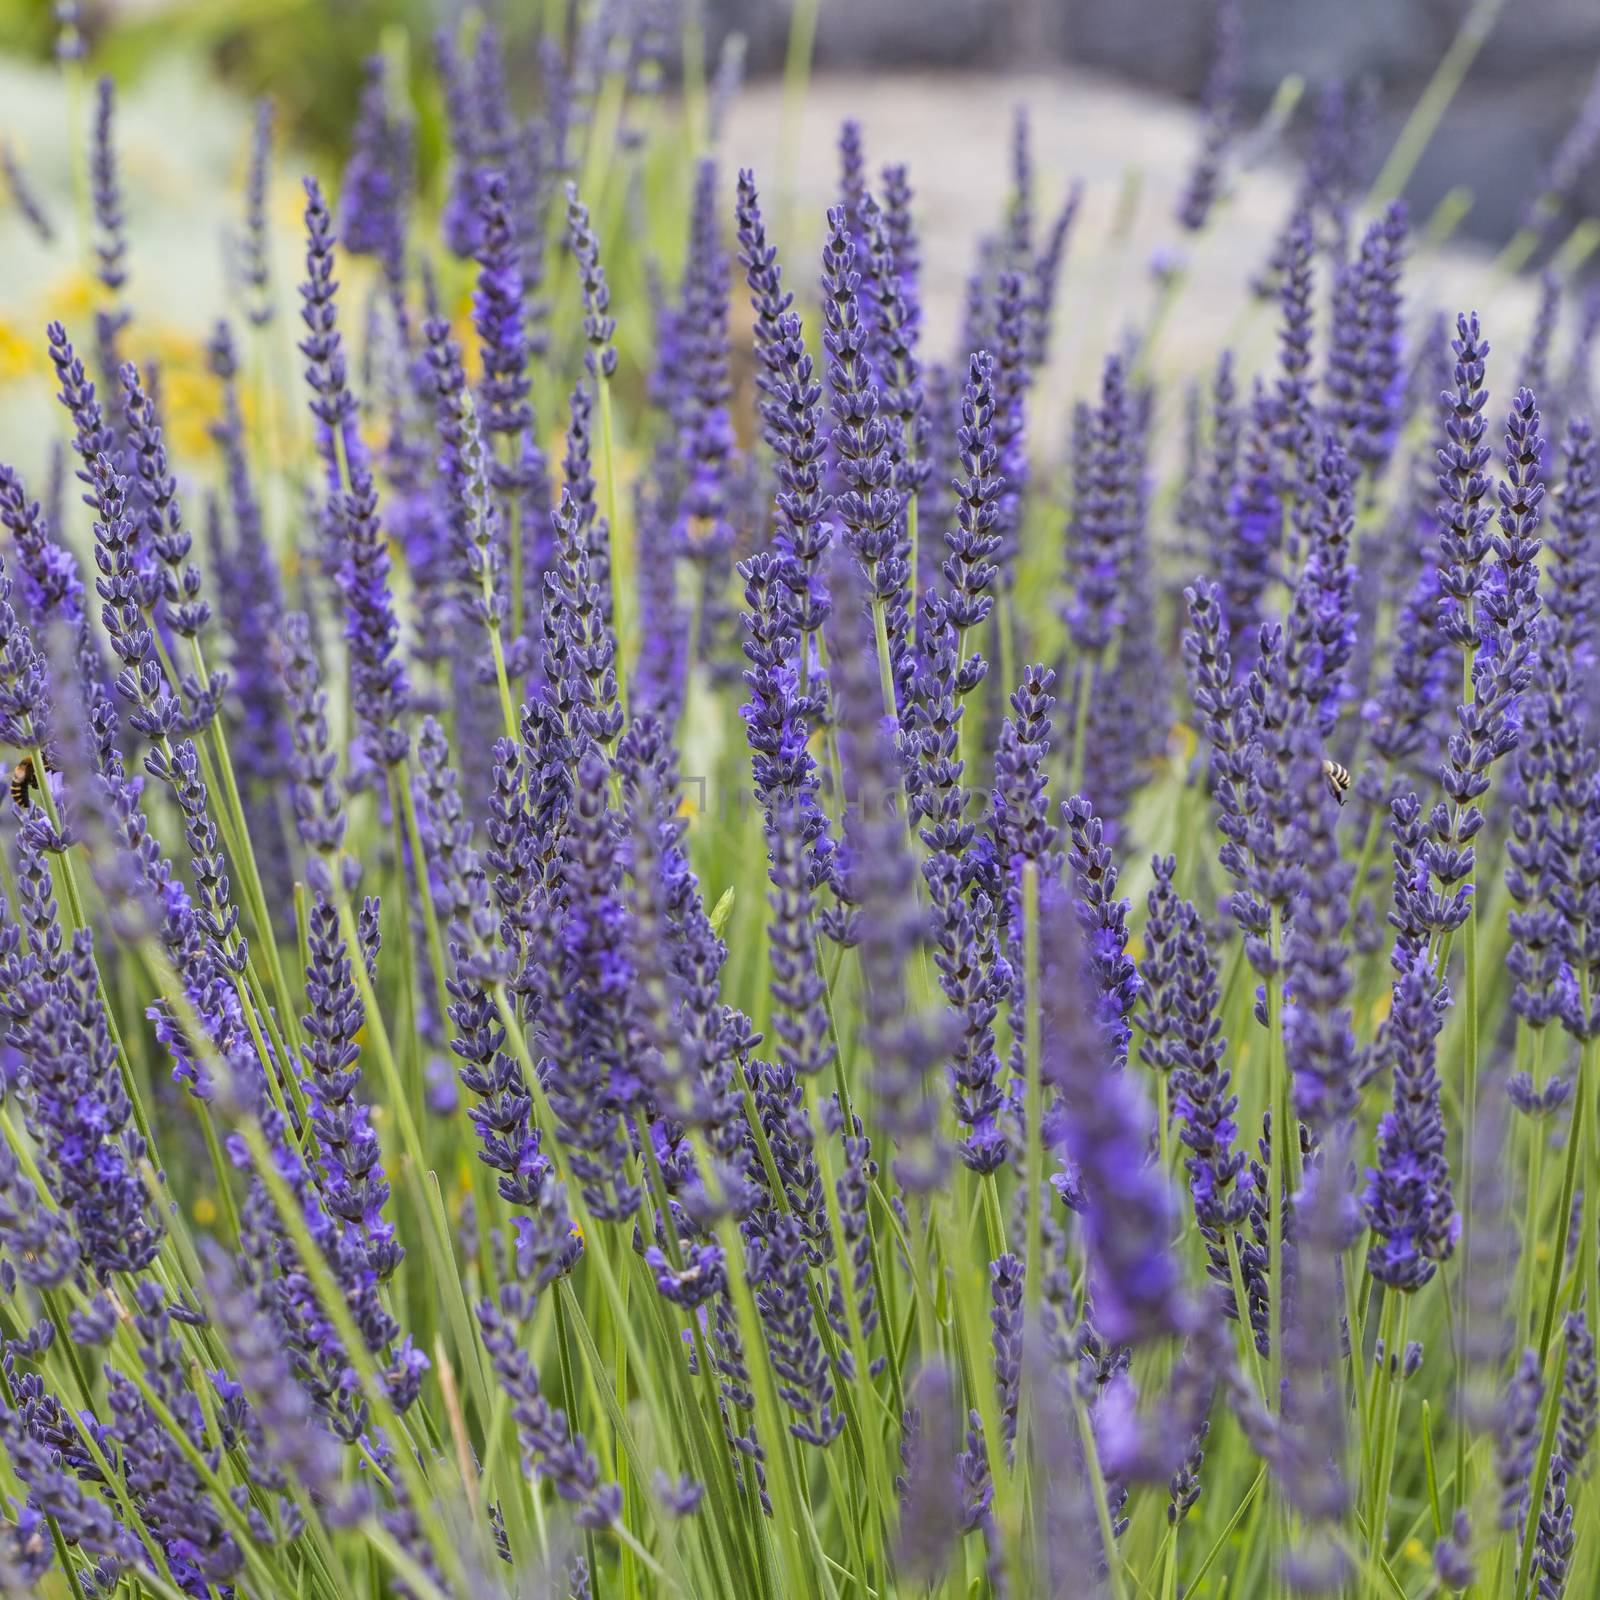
point(1523, 93)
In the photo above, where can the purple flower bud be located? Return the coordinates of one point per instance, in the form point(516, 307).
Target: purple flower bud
point(1571, 160)
point(1310, 1446)
point(930, 1510)
point(1464, 514)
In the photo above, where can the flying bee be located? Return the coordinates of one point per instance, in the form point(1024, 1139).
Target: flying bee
point(1337, 779)
point(24, 780)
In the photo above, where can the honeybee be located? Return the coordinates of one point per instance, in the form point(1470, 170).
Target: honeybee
point(1337, 779)
point(24, 780)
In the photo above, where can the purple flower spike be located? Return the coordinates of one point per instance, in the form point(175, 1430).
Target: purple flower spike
point(1465, 512)
point(870, 504)
point(1366, 380)
point(905, 1048)
point(1101, 533)
point(111, 238)
point(1318, 1030)
point(1127, 1214)
point(544, 1249)
point(974, 542)
point(1578, 1395)
point(1046, 278)
point(791, 415)
point(1408, 1201)
point(1294, 430)
point(23, 195)
point(1219, 107)
point(376, 188)
point(1310, 1446)
point(1186, 995)
point(255, 240)
point(703, 529)
point(972, 973)
point(598, 324)
point(380, 690)
point(498, 315)
point(353, 1182)
point(1516, 1437)
point(900, 226)
point(1320, 637)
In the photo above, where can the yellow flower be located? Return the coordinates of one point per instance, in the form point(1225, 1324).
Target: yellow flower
point(70, 297)
point(189, 403)
point(19, 355)
point(287, 202)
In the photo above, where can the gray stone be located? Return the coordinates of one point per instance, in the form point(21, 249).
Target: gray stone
point(1522, 95)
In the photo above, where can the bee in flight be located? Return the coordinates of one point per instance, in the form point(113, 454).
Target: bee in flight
point(24, 780)
point(1337, 779)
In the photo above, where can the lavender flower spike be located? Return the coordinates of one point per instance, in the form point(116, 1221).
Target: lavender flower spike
point(1127, 1208)
point(381, 692)
point(1408, 1200)
point(598, 324)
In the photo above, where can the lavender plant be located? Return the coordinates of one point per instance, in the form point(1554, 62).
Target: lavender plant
point(578, 1023)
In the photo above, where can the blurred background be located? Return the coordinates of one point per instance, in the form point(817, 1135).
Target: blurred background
point(1114, 90)
point(1527, 85)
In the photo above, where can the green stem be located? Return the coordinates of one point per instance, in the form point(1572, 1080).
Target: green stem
point(880, 629)
point(1277, 1164)
point(1547, 1437)
point(406, 805)
point(1576, 1137)
point(1033, 1051)
point(1392, 1332)
point(1433, 102)
point(796, 72)
point(1102, 1506)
